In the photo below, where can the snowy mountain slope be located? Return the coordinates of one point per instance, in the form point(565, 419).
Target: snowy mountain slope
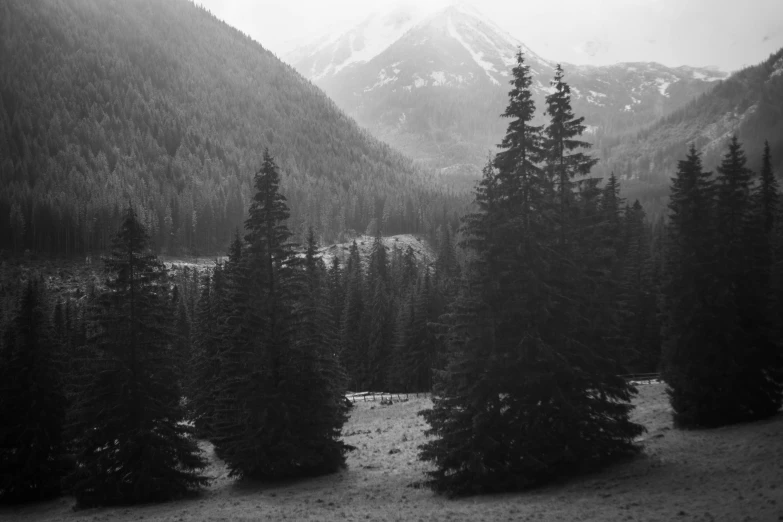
point(433, 85)
point(328, 55)
point(749, 104)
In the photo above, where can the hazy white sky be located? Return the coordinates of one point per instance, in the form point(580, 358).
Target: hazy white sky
point(728, 34)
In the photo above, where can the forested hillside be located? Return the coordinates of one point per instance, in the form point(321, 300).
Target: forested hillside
point(161, 104)
point(749, 104)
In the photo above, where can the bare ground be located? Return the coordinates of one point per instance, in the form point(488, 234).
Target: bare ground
point(730, 474)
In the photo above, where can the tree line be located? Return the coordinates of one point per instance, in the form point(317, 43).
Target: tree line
point(523, 327)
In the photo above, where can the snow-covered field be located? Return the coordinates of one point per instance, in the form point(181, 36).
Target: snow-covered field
point(420, 246)
point(730, 474)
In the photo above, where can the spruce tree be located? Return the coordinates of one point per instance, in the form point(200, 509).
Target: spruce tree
point(749, 358)
point(638, 296)
point(531, 391)
point(352, 330)
point(767, 192)
point(204, 362)
point(32, 403)
point(131, 443)
point(268, 426)
point(316, 369)
point(423, 346)
point(690, 336)
point(378, 317)
point(563, 160)
point(336, 293)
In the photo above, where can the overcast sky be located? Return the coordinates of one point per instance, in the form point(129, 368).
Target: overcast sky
point(728, 34)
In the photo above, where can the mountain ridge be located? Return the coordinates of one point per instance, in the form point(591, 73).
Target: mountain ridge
point(406, 94)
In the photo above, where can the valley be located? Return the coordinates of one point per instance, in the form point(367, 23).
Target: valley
point(213, 259)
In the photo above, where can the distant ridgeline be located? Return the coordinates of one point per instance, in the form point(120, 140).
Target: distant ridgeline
point(161, 104)
point(749, 104)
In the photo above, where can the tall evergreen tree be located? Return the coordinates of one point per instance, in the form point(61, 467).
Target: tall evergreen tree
point(267, 427)
point(563, 161)
point(530, 392)
point(131, 443)
point(749, 360)
point(379, 317)
point(352, 330)
point(320, 377)
point(689, 334)
point(204, 362)
point(32, 403)
point(638, 296)
point(768, 193)
point(336, 292)
point(722, 364)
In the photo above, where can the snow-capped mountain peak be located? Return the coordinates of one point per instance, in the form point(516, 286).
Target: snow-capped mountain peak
point(460, 27)
point(434, 83)
point(331, 54)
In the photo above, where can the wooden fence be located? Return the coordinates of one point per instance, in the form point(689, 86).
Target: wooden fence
point(368, 396)
point(380, 396)
point(642, 378)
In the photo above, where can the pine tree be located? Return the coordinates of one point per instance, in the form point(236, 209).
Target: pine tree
point(318, 373)
point(689, 335)
point(336, 293)
point(267, 426)
point(638, 296)
point(352, 331)
point(767, 193)
point(423, 347)
point(182, 340)
point(747, 377)
point(530, 392)
point(447, 269)
point(379, 317)
point(32, 404)
point(563, 163)
point(130, 441)
point(204, 363)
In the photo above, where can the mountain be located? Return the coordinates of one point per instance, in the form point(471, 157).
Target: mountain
point(159, 103)
point(434, 86)
point(749, 104)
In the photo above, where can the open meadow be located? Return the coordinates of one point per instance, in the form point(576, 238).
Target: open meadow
point(728, 474)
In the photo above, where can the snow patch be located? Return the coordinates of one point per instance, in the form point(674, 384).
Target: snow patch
point(383, 79)
point(777, 68)
point(594, 98)
point(698, 75)
point(663, 85)
point(478, 57)
point(439, 78)
point(369, 39)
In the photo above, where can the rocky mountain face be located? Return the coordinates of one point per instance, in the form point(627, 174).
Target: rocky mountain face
point(434, 85)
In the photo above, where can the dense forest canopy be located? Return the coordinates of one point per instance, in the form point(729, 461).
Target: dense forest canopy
point(161, 104)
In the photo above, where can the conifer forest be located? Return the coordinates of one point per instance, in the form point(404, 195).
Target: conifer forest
point(205, 262)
